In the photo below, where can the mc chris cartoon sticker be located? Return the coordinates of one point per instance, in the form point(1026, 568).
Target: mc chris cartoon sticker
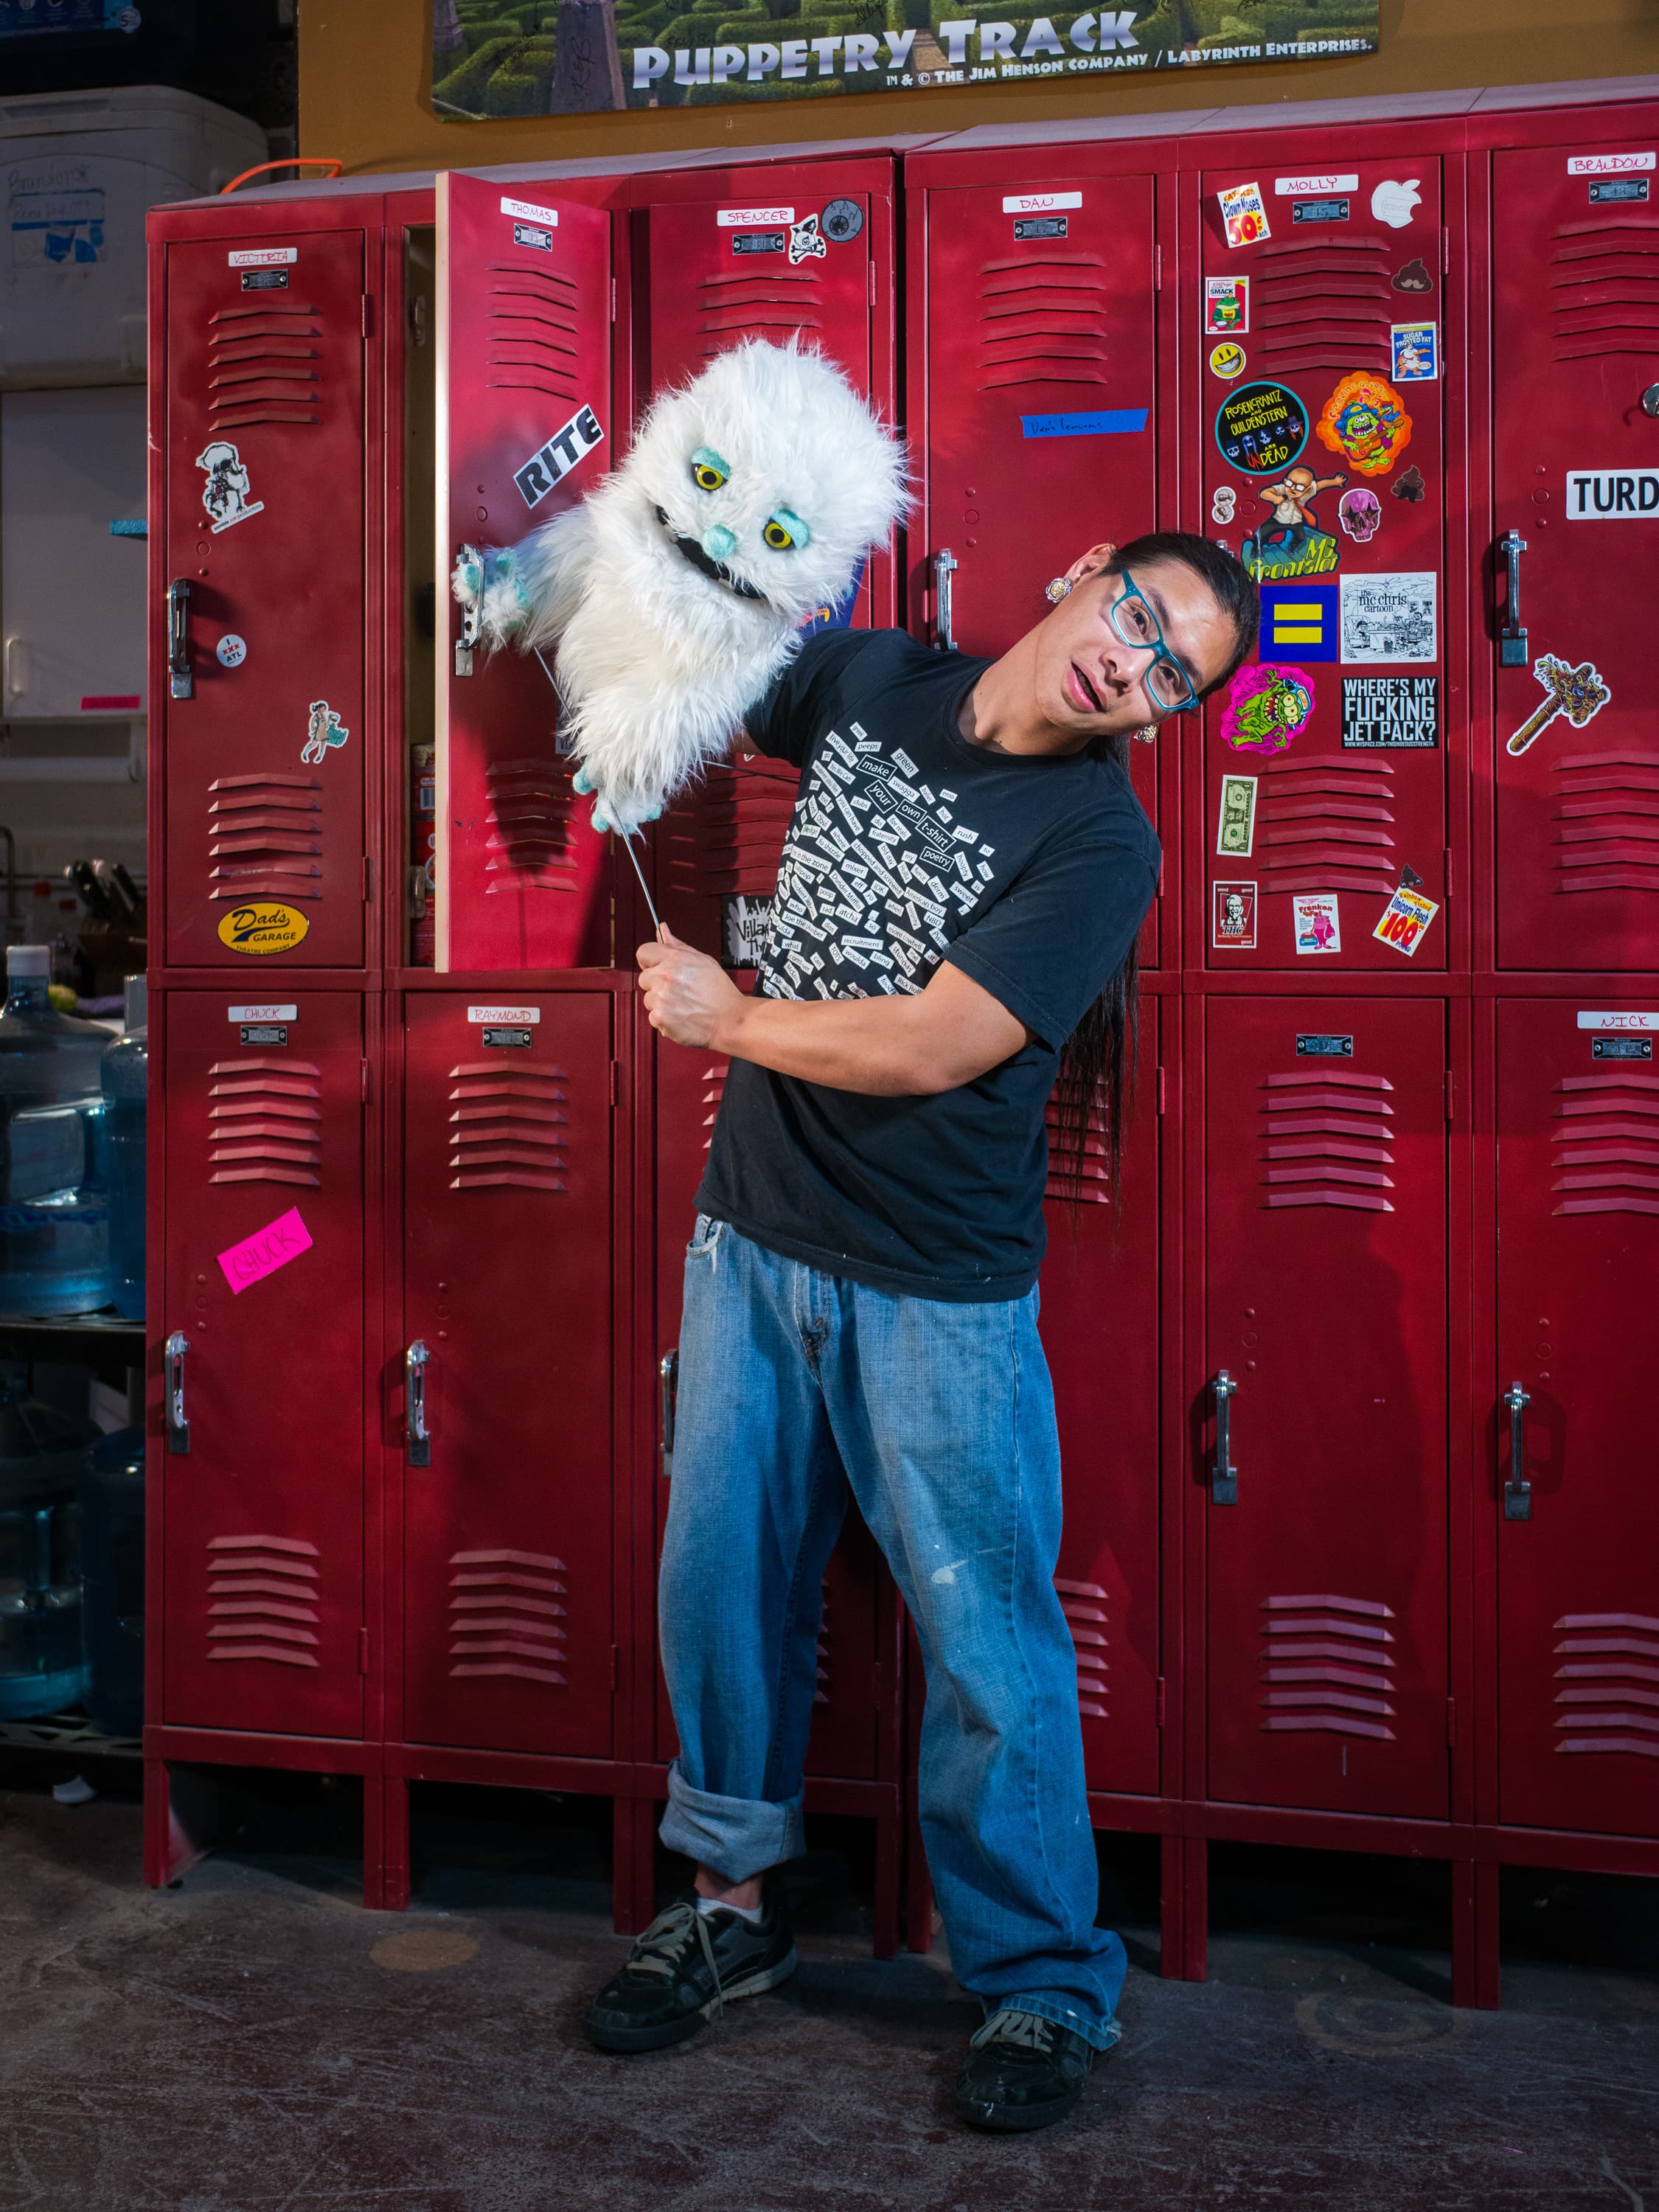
point(262, 926)
point(1261, 428)
point(1365, 421)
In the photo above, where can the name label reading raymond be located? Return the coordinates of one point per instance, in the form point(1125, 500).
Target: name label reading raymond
point(1604, 494)
point(514, 1015)
point(545, 468)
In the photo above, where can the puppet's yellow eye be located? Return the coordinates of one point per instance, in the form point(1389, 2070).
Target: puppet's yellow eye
point(785, 532)
point(708, 470)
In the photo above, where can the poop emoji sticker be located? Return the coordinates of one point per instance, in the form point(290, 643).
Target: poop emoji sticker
point(1413, 278)
point(1267, 707)
point(1365, 421)
point(225, 494)
point(1410, 487)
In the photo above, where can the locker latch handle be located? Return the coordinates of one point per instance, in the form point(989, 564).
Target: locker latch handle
point(181, 683)
point(178, 1426)
point(668, 1377)
point(944, 566)
point(420, 1437)
point(1224, 1475)
point(1512, 638)
point(471, 561)
point(1517, 1490)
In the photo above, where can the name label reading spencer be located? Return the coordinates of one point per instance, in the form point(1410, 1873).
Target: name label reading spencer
point(527, 211)
point(512, 1038)
point(263, 1013)
point(753, 218)
point(263, 1033)
point(1040, 203)
point(516, 1016)
point(1607, 165)
point(1604, 494)
point(1621, 1048)
point(1290, 188)
point(262, 257)
point(558, 456)
point(1104, 422)
point(1321, 1046)
point(1041, 225)
point(1625, 1020)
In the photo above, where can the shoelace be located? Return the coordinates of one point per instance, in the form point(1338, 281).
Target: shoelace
point(1028, 2029)
point(663, 1947)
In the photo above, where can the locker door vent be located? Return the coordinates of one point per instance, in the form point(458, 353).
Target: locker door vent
point(529, 819)
point(1325, 1142)
point(530, 344)
point(504, 1617)
point(826, 1689)
point(507, 1128)
point(1607, 807)
point(1336, 1652)
point(1605, 288)
point(1084, 1604)
point(263, 1125)
point(1324, 306)
point(1079, 1162)
point(727, 835)
point(266, 837)
point(1324, 826)
point(1617, 1690)
point(1042, 320)
point(262, 1600)
point(1607, 1149)
point(264, 365)
point(776, 305)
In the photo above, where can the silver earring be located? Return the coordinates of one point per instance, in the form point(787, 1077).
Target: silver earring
point(1057, 588)
point(1146, 734)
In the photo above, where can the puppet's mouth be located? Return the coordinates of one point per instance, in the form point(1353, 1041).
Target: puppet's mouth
point(717, 571)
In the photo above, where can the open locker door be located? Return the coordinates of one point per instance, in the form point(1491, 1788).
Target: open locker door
point(525, 303)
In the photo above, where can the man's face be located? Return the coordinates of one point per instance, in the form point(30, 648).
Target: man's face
point(1090, 683)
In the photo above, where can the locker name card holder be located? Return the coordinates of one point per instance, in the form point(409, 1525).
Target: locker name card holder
point(1324, 1044)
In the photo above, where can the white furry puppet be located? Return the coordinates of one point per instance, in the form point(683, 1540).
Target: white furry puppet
point(673, 594)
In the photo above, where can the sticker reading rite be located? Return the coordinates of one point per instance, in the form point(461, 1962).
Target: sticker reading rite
point(555, 459)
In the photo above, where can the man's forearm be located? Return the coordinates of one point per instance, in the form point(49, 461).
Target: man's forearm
point(882, 1047)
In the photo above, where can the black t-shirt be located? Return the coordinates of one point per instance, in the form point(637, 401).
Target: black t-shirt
point(909, 846)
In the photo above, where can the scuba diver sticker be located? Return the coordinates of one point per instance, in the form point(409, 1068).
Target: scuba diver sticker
point(326, 731)
point(225, 494)
point(1267, 707)
point(1365, 421)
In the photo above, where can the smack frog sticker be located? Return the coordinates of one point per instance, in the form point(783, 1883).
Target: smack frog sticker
point(1365, 421)
point(225, 494)
point(1267, 706)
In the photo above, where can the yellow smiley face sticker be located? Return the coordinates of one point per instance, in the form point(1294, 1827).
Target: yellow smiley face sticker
point(1227, 360)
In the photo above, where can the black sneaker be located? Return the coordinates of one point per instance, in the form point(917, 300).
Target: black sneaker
point(1023, 2071)
point(684, 1969)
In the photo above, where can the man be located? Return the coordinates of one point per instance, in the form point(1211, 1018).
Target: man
point(966, 871)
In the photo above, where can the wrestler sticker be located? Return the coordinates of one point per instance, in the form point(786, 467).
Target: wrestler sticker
point(1365, 421)
point(1235, 836)
point(1226, 306)
point(1243, 214)
point(1261, 428)
point(1416, 351)
point(1227, 360)
point(1405, 918)
point(1233, 917)
point(1390, 616)
point(1299, 618)
point(1316, 921)
point(1268, 707)
point(1289, 543)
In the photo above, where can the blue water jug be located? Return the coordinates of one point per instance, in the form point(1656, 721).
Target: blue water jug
point(125, 1072)
point(42, 1666)
point(112, 1581)
point(54, 1205)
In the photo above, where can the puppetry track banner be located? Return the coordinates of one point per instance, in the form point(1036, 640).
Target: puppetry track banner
point(493, 58)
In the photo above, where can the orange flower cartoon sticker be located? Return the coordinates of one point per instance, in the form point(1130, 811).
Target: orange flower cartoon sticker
point(1365, 421)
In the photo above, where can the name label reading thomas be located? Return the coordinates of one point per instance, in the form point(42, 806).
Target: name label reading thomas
point(527, 211)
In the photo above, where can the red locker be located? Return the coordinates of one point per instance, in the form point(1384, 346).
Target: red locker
point(261, 1495)
point(259, 562)
point(1575, 308)
point(508, 1572)
point(1033, 326)
point(1300, 331)
point(1327, 1526)
point(525, 427)
point(1577, 1661)
point(1100, 1285)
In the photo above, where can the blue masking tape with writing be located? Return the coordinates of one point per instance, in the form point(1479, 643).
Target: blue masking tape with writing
point(1104, 424)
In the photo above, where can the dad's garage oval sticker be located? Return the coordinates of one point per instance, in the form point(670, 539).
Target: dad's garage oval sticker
point(262, 926)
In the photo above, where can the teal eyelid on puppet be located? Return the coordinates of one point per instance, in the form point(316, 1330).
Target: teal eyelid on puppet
point(706, 457)
point(794, 530)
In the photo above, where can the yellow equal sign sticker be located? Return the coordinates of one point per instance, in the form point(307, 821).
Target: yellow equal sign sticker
point(1302, 617)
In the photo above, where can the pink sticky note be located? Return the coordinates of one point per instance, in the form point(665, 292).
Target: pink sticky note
point(267, 1249)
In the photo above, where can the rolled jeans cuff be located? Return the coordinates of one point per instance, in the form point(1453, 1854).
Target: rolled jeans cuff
point(737, 1837)
point(1102, 2033)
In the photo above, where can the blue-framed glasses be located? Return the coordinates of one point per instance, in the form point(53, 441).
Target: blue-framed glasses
point(1167, 682)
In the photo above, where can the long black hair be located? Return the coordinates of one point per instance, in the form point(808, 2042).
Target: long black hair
point(1097, 1062)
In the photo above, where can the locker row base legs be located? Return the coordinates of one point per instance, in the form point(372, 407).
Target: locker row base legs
point(1475, 1934)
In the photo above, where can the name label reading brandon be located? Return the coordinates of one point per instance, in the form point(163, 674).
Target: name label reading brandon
point(545, 468)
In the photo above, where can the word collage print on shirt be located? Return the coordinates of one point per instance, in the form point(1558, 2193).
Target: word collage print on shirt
point(874, 865)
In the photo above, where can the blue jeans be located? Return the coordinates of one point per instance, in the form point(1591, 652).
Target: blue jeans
point(793, 1386)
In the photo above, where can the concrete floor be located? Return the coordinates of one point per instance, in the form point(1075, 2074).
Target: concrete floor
point(255, 2038)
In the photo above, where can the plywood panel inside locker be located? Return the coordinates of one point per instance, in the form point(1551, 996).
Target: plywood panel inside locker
point(1576, 466)
point(265, 763)
point(261, 1601)
point(1322, 464)
point(524, 382)
point(1578, 1600)
point(507, 1567)
point(1325, 1140)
